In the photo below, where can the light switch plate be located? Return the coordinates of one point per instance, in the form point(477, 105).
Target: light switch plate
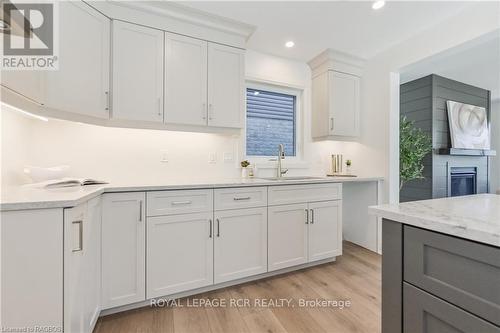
point(164, 156)
point(227, 157)
point(212, 158)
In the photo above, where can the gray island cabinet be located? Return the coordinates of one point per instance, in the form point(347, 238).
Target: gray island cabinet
point(441, 265)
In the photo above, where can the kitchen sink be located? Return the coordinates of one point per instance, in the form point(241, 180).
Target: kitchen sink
point(292, 178)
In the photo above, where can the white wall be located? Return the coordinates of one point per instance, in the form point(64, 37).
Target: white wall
point(380, 100)
point(495, 144)
point(133, 155)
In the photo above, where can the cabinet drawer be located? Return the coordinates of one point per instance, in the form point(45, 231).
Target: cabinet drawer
point(462, 272)
point(424, 313)
point(289, 194)
point(179, 202)
point(245, 197)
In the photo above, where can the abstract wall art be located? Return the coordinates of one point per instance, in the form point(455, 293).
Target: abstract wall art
point(468, 126)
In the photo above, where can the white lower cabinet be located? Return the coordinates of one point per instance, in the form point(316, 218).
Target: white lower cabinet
point(123, 249)
point(287, 236)
point(82, 229)
point(240, 243)
point(302, 233)
point(180, 253)
point(325, 230)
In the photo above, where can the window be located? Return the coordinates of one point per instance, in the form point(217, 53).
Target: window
point(271, 120)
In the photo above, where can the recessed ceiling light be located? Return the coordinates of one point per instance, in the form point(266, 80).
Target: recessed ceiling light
point(378, 4)
point(289, 44)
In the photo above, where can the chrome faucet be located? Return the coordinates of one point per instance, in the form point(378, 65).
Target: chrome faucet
point(281, 156)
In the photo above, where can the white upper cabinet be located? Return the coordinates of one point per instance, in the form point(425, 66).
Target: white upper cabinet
point(335, 95)
point(137, 73)
point(29, 84)
point(81, 85)
point(225, 86)
point(185, 80)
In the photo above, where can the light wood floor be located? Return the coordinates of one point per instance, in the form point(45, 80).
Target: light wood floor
point(355, 276)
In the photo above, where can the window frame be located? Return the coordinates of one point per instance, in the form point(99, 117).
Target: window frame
point(270, 161)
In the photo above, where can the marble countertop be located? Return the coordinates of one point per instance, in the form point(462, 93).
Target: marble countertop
point(28, 197)
point(474, 217)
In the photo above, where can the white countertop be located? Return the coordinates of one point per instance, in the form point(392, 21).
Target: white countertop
point(474, 217)
point(25, 197)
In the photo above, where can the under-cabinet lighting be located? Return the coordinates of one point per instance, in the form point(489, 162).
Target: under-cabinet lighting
point(378, 4)
point(26, 113)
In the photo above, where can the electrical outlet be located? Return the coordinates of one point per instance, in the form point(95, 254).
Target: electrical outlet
point(164, 156)
point(212, 158)
point(227, 157)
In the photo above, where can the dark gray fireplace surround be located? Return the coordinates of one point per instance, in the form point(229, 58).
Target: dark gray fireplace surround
point(424, 102)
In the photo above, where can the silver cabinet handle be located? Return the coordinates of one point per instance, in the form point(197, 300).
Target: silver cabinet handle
point(140, 210)
point(241, 199)
point(307, 216)
point(312, 216)
point(210, 232)
point(210, 111)
point(218, 227)
point(331, 123)
point(185, 202)
point(80, 236)
point(107, 100)
point(159, 106)
point(204, 111)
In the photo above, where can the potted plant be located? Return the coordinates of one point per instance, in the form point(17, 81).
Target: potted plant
point(348, 165)
point(414, 145)
point(244, 168)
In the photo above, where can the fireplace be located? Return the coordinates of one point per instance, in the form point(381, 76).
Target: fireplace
point(462, 181)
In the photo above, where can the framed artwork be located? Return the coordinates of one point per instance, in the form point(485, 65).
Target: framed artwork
point(468, 126)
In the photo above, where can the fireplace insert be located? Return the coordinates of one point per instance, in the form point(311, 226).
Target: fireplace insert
point(462, 181)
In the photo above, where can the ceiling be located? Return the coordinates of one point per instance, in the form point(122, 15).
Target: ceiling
point(476, 62)
point(348, 26)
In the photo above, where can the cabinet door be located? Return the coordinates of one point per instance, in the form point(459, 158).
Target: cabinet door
point(325, 230)
point(81, 85)
point(225, 86)
point(287, 232)
point(76, 236)
point(137, 72)
point(26, 83)
point(180, 253)
point(240, 243)
point(123, 249)
point(185, 80)
point(92, 265)
point(344, 104)
point(425, 313)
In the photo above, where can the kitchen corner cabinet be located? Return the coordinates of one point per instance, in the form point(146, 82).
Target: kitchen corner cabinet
point(81, 85)
point(82, 266)
point(137, 72)
point(123, 249)
point(225, 86)
point(186, 71)
point(335, 104)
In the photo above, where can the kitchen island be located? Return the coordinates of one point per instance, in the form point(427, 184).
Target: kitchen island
point(441, 265)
